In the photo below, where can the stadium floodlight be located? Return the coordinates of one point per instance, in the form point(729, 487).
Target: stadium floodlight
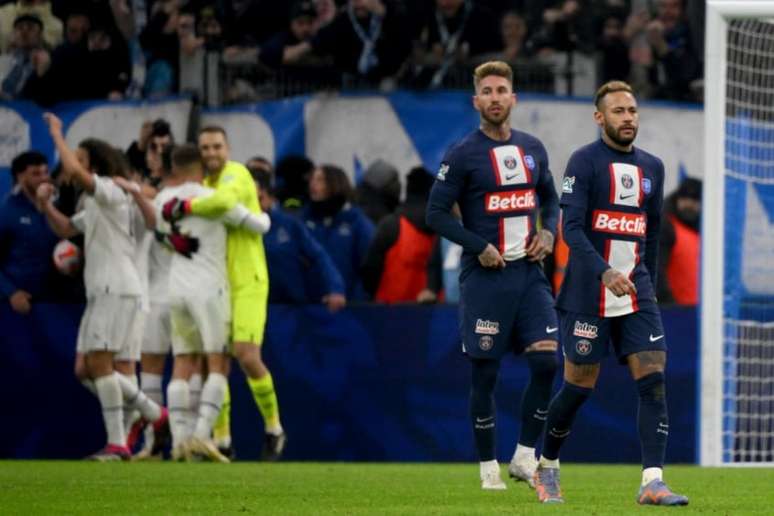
point(737, 279)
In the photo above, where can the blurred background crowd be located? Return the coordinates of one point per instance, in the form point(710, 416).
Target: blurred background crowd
point(223, 51)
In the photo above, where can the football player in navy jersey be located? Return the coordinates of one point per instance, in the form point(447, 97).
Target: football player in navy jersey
point(611, 202)
point(501, 180)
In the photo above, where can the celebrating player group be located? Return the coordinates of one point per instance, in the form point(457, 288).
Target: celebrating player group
point(610, 211)
point(146, 239)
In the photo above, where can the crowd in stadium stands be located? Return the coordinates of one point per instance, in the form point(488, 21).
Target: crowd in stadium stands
point(146, 48)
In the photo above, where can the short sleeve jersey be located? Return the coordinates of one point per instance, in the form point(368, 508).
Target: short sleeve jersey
point(620, 192)
point(107, 223)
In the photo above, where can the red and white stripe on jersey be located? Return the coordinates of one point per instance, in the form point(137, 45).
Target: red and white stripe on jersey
point(621, 256)
point(514, 232)
point(619, 223)
point(509, 165)
point(510, 201)
point(626, 185)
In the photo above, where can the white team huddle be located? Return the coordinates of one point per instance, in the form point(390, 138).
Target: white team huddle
point(150, 286)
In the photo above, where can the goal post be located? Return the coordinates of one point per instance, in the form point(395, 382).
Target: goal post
point(736, 425)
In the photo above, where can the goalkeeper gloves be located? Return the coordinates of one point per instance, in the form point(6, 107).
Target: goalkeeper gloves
point(181, 244)
point(175, 209)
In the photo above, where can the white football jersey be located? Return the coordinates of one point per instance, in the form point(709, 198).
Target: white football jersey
point(107, 222)
point(143, 241)
point(159, 260)
point(206, 269)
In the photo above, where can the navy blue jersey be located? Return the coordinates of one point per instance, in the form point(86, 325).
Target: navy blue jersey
point(611, 214)
point(500, 186)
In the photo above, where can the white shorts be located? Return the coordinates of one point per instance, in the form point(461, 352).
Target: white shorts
point(157, 338)
point(112, 323)
point(201, 325)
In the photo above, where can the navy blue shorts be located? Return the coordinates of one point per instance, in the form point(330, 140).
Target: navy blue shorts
point(506, 310)
point(587, 339)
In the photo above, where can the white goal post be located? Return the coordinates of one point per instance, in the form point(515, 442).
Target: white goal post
point(736, 424)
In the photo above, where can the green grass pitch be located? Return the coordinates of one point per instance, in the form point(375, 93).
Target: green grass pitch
point(348, 488)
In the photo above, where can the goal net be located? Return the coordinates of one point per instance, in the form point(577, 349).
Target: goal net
point(737, 326)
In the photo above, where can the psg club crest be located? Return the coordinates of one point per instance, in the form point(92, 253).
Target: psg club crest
point(627, 181)
point(646, 185)
point(529, 161)
point(485, 343)
point(509, 162)
point(583, 347)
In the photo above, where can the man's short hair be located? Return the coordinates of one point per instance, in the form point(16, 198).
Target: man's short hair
point(27, 159)
point(28, 18)
point(497, 68)
point(303, 8)
point(213, 129)
point(183, 156)
point(608, 88)
point(161, 127)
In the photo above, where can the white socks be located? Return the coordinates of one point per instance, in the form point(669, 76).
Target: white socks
point(110, 398)
point(651, 474)
point(137, 399)
point(151, 386)
point(489, 466)
point(178, 401)
point(548, 463)
point(130, 412)
point(524, 454)
point(209, 407)
point(195, 387)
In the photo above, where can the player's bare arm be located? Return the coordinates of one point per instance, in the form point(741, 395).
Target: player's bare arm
point(60, 224)
point(70, 165)
point(136, 191)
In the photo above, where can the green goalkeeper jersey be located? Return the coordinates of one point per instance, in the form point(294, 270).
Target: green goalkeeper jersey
point(245, 254)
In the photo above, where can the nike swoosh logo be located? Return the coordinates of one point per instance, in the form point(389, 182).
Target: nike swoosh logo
point(654, 339)
point(508, 178)
point(624, 197)
point(483, 420)
point(551, 330)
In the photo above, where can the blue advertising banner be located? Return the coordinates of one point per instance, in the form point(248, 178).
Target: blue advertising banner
point(354, 130)
point(349, 390)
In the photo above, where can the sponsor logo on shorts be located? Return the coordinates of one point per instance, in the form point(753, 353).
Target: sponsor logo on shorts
point(583, 347)
point(585, 330)
point(506, 202)
point(619, 222)
point(484, 327)
point(485, 342)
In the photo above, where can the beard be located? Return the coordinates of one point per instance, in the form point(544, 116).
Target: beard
point(214, 165)
point(615, 136)
point(497, 120)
